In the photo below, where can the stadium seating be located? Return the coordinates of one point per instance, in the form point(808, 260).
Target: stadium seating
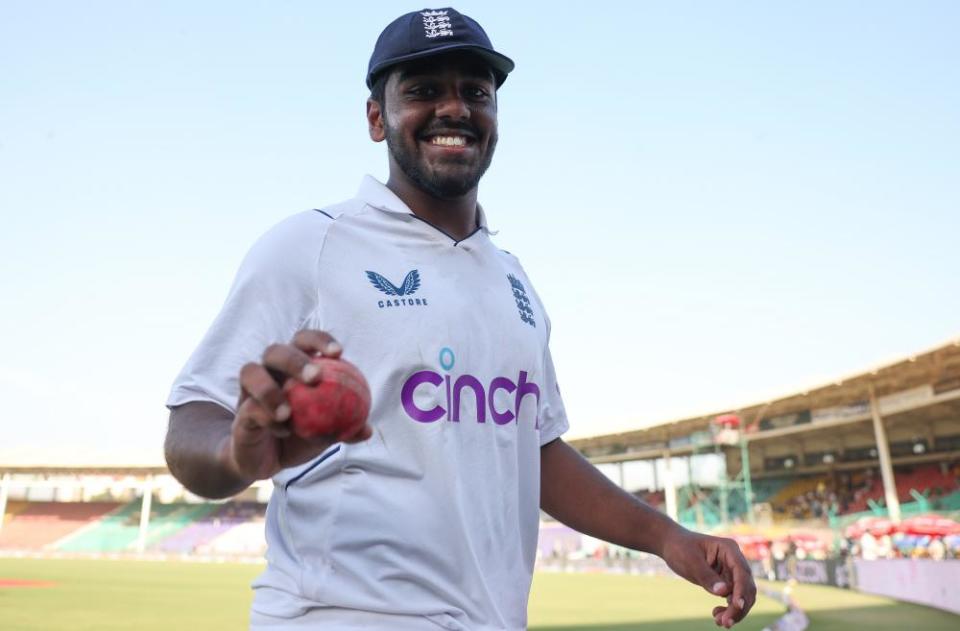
point(782, 500)
point(36, 525)
point(763, 489)
point(120, 530)
point(14, 507)
point(930, 480)
point(237, 528)
point(246, 539)
point(557, 540)
point(766, 488)
point(700, 515)
point(822, 496)
point(655, 499)
point(95, 527)
point(949, 503)
point(208, 527)
point(705, 508)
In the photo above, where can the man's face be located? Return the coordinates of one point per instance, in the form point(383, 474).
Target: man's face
point(439, 119)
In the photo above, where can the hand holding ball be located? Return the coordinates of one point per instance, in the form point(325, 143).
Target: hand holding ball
point(336, 406)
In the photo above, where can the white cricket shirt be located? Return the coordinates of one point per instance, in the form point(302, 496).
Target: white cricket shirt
point(435, 517)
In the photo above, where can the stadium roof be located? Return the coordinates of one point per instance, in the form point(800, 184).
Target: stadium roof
point(938, 367)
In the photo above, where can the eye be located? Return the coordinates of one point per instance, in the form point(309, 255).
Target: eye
point(477, 93)
point(421, 91)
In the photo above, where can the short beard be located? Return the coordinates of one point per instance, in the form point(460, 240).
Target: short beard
point(438, 186)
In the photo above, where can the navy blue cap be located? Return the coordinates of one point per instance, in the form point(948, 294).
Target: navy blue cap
point(431, 32)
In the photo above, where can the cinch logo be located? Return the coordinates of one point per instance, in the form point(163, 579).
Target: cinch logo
point(484, 397)
point(409, 287)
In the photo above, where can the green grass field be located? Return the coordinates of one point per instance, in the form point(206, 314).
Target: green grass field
point(149, 596)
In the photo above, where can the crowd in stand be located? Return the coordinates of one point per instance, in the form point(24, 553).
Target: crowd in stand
point(851, 492)
point(896, 545)
point(903, 545)
point(831, 496)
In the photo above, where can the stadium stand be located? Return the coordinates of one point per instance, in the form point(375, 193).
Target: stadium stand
point(557, 541)
point(929, 481)
point(700, 514)
point(763, 490)
point(788, 496)
point(203, 531)
point(844, 493)
point(37, 525)
point(246, 539)
point(13, 508)
point(120, 530)
point(656, 499)
point(703, 506)
point(176, 518)
point(98, 527)
point(825, 441)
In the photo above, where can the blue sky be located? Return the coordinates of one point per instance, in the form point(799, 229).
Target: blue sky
point(717, 202)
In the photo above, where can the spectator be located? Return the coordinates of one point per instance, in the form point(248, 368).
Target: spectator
point(937, 550)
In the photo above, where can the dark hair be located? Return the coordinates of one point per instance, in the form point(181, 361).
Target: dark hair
point(378, 89)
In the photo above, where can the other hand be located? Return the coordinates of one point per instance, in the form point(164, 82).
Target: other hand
point(717, 565)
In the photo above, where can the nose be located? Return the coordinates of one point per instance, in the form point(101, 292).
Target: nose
point(453, 106)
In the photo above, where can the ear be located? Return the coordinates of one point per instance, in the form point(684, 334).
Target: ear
point(375, 121)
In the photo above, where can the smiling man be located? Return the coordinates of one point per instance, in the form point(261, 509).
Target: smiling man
point(439, 152)
point(428, 518)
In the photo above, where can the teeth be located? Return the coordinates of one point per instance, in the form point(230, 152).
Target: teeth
point(449, 141)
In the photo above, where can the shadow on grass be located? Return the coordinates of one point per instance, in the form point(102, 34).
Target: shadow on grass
point(704, 623)
point(876, 618)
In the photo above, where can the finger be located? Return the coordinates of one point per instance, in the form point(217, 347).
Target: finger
point(254, 427)
point(729, 615)
point(261, 387)
point(253, 449)
point(717, 611)
point(728, 566)
point(280, 430)
point(728, 618)
point(254, 418)
point(284, 361)
point(314, 342)
point(744, 587)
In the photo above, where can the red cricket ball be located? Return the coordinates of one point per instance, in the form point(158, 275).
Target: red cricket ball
point(336, 406)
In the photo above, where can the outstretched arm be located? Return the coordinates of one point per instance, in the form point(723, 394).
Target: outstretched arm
point(573, 491)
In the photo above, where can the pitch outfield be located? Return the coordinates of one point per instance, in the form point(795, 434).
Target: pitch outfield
point(151, 596)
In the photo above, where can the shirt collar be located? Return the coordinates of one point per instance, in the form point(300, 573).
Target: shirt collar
point(376, 194)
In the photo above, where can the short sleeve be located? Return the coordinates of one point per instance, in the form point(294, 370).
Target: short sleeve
point(272, 297)
point(553, 416)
